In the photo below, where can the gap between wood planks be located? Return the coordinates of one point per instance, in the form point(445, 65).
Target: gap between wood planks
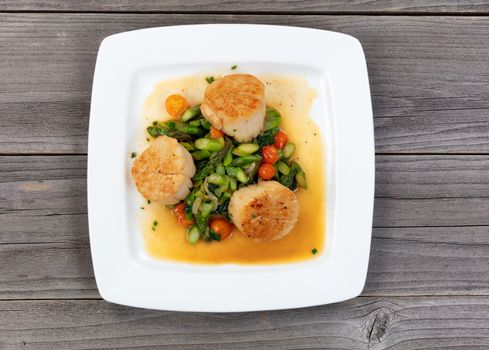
point(270, 13)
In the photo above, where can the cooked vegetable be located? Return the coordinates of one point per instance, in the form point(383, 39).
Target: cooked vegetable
point(266, 171)
point(238, 173)
point(283, 168)
point(188, 146)
point(288, 180)
point(176, 105)
point(193, 234)
point(288, 150)
point(245, 160)
point(216, 133)
point(190, 113)
point(281, 139)
point(228, 158)
point(214, 160)
point(300, 177)
point(156, 131)
point(199, 155)
point(267, 137)
point(272, 119)
point(208, 145)
point(245, 149)
point(221, 227)
point(270, 154)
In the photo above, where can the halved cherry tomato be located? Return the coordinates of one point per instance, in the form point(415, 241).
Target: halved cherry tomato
point(216, 133)
point(281, 139)
point(176, 105)
point(180, 208)
point(270, 154)
point(221, 227)
point(266, 171)
point(182, 220)
point(179, 212)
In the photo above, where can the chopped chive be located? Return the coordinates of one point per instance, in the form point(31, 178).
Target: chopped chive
point(133, 155)
point(210, 80)
point(155, 223)
point(253, 215)
point(147, 139)
point(234, 67)
point(149, 202)
point(314, 251)
point(142, 207)
point(155, 123)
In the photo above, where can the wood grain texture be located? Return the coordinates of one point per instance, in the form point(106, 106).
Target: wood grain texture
point(362, 323)
point(44, 251)
point(292, 6)
point(428, 76)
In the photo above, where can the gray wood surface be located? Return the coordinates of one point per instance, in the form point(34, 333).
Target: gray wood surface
point(290, 6)
point(44, 215)
point(428, 280)
point(363, 323)
point(428, 76)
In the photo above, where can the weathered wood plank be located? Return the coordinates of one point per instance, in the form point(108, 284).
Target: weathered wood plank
point(292, 6)
point(428, 76)
point(404, 261)
point(43, 201)
point(361, 323)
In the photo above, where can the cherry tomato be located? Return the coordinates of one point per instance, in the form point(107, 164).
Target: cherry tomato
point(266, 171)
point(221, 227)
point(281, 139)
point(182, 220)
point(180, 208)
point(270, 154)
point(216, 133)
point(176, 105)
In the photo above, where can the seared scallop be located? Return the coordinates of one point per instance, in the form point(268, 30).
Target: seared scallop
point(235, 104)
point(266, 211)
point(163, 172)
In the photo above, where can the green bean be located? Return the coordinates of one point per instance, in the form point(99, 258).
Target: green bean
point(225, 185)
point(208, 145)
point(193, 234)
point(205, 124)
point(246, 160)
point(190, 113)
point(283, 168)
point(228, 158)
point(215, 179)
point(220, 169)
point(289, 150)
point(233, 184)
point(188, 146)
point(300, 177)
point(199, 155)
point(272, 119)
point(245, 149)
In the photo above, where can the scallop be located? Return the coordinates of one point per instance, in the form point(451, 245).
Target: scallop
point(264, 212)
point(236, 105)
point(163, 172)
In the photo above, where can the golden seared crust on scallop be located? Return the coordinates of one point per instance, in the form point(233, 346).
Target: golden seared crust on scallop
point(236, 105)
point(266, 211)
point(163, 172)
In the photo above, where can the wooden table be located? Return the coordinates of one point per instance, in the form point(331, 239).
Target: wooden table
point(428, 280)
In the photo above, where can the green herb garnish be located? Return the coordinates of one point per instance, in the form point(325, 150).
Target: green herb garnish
point(210, 80)
point(133, 155)
point(314, 251)
point(234, 67)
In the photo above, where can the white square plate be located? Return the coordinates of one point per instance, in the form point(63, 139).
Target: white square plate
point(128, 66)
